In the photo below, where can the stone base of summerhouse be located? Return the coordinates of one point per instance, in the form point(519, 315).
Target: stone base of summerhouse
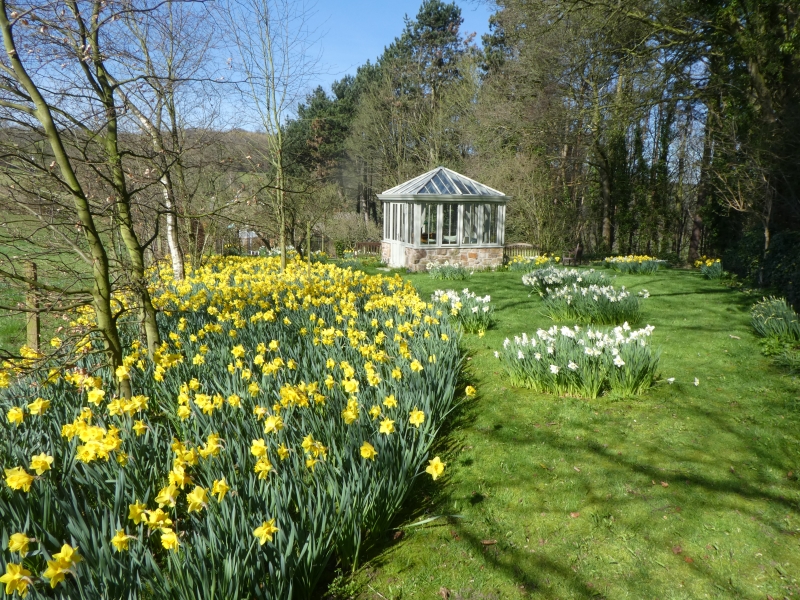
point(417, 259)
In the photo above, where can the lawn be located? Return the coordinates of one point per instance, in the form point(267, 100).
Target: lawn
point(690, 491)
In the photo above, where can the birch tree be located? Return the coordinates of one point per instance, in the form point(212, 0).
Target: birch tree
point(273, 42)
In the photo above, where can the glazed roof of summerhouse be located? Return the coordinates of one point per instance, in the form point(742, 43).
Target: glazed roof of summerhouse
point(442, 184)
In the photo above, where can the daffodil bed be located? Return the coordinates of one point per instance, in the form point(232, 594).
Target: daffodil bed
point(549, 278)
point(635, 264)
point(582, 362)
point(473, 313)
point(711, 268)
point(282, 422)
point(601, 305)
point(524, 263)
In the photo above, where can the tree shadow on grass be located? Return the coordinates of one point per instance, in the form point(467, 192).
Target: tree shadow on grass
point(690, 487)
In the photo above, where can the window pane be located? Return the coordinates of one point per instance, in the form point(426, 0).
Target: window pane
point(411, 239)
point(429, 189)
point(403, 209)
point(461, 187)
point(450, 223)
point(428, 224)
point(470, 187)
point(443, 183)
point(490, 224)
point(471, 224)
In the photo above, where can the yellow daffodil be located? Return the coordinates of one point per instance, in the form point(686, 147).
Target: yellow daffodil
point(157, 519)
point(16, 579)
point(389, 401)
point(265, 532)
point(435, 468)
point(57, 569)
point(416, 366)
point(169, 539)
point(283, 452)
point(15, 415)
point(387, 426)
point(469, 391)
point(168, 496)
point(350, 413)
point(136, 513)
point(220, 488)
point(121, 540)
point(18, 542)
point(197, 499)
point(263, 467)
point(212, 446)
point(273, 424)
point(139, 428)
point(18, 479)
point(258, 447)
point(416, 417)
point(41, 463)
point(368, 451)
point(38, 406)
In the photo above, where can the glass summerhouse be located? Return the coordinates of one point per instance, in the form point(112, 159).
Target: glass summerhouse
point(443, 216)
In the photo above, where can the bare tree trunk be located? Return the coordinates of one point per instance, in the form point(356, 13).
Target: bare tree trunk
point(605, 191)
point(702, 194)
point(168, 191)
point(32, 304)
point(176, 256)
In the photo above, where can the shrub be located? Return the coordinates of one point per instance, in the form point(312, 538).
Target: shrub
point(584, 363)
point(472, 312)
point(340, 247)
point(635, 265)
point(551, 277)
point(773, 317)
point(447, 271)
point(312, 395)
point(593, 304)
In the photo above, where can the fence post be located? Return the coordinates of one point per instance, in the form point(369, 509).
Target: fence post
point(32, 304)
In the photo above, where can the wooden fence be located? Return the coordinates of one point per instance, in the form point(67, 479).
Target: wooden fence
point(512, 250)
point(367, 249)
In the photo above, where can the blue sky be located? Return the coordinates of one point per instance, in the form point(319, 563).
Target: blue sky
point(354, 31)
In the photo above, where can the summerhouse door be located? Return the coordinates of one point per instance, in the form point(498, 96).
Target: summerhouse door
point(398, 257)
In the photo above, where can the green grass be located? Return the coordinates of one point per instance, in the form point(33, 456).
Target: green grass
point(686, 492)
